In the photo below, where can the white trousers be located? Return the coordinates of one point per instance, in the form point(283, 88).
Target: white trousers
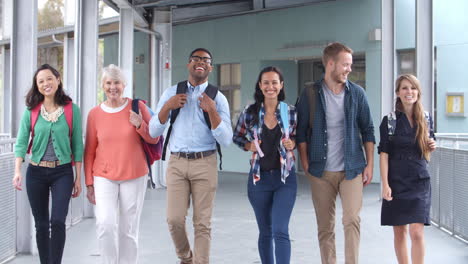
point(118, 210)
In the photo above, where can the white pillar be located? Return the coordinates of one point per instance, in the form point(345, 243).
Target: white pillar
point(162, 23)
point(425, 52)
point(86, 53)
point(23, 65)
point(388, 56)
point(126, 37)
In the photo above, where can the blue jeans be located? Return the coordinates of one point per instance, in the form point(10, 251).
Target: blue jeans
point(273, 202)
point(50, 234)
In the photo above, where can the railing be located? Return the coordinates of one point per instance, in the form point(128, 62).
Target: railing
point(449, 180)
point(7, 201)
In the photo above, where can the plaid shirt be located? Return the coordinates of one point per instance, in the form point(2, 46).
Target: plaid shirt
point(244, 133)
point(358, 130)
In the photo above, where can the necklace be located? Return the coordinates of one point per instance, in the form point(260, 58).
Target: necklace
point(51, 117)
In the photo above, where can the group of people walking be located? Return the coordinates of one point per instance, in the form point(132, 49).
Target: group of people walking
point(331, 126)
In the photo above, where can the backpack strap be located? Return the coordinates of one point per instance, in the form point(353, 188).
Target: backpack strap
point(68, 111)
point(284, 113)
point(32, 121)
point(136, 109)
point(181, 89)
point(391, 123)
point(255, 135)
point(430, 129)
point(212, 91)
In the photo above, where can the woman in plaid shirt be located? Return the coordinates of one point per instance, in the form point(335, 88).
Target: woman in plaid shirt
point(272, 183)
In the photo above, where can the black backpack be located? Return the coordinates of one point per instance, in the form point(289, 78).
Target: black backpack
point(211, 91)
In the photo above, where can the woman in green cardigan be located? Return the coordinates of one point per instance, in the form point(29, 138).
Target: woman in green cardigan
point(54, 123)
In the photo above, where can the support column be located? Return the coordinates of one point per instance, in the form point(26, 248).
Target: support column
point(425, 52)
point(69, 81)
point(7, 90)
point(23, 65)
point(388, 56)
point(126, 37)
point(86, 53)
point(162, 23)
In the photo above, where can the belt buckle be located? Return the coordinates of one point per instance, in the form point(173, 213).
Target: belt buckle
point(52, 164)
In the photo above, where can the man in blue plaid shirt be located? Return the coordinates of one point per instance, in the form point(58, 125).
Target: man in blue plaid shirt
point(331, 150)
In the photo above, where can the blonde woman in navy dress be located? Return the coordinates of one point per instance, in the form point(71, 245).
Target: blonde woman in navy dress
point(404, 154)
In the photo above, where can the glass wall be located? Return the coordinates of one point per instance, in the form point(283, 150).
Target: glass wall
point(451, 45)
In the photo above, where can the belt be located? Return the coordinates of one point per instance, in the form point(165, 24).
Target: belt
point(45, 163)
point(194, 155)
point(403, 156)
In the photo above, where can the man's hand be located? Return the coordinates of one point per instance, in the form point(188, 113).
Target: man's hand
point(177, 101)
point(367, 174)
point(303, 155)
point(206, 103)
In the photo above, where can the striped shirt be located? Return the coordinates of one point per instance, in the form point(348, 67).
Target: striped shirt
point(244, 133)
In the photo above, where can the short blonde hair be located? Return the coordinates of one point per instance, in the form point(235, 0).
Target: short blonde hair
point(113, 72)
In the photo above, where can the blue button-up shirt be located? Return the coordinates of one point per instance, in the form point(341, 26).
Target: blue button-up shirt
point(358, 129)
point(190, 132)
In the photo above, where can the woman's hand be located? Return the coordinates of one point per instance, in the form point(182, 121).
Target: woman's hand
point(250, 146)
point(17, 179)
point(90, 194)
point(387, 192)
point(431, 143)
point(76, 188)
point(135, 119)
point(289, 144)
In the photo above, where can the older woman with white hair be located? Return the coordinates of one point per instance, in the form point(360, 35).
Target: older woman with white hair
point(115, 168)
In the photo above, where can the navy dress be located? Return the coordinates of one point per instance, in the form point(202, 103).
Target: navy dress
point(408, 176)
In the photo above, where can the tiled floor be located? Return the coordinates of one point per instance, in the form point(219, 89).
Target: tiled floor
point(234, 233)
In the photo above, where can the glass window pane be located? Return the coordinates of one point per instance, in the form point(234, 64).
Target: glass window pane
point(225, 74)
point(69, 12)
point(105, 11)
point(406, 62)
point(2, 8)
point(235, 74)
point(50, 14)
point(451, 43)
point(52, 56)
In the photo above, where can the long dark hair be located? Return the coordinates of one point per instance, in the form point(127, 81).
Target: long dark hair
point(258, 94)
point(34, 97)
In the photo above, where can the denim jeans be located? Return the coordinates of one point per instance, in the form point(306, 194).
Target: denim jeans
point(50, 234)
point(273, 202)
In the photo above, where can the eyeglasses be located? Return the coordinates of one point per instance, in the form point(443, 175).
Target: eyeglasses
point(206, 60)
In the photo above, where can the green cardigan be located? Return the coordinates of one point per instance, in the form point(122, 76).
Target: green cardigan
point(60, 139)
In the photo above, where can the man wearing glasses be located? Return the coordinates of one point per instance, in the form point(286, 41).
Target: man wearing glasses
point(192, 169)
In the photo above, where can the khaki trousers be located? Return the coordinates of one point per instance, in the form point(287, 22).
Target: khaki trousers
point(324, 192)
point(196, 179)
